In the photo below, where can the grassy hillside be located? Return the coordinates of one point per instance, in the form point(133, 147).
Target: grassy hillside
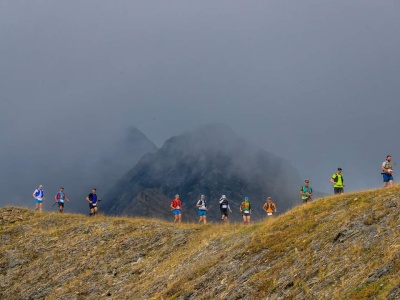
point(339, 247)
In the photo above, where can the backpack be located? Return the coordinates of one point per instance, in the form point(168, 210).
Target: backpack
point(39, 193)
point(245, 206)
point(336, 178)
point(269, 206)
point(306, 189)
point(224, 203)
point(202, 203)
point(388, 165)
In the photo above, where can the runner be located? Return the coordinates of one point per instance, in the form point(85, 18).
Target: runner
point(387, 171)
point(92, 199)
point(269, 207)
point(176, 207)
point(224, 207)
point(59, 198)
point(202, 209)
point(338, 182)
point(306, 191)
point(38, 195)
point(245, 208)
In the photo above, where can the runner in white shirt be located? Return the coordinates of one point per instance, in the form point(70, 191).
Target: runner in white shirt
point(38, 195)
point(387, 171)
point(202, 206)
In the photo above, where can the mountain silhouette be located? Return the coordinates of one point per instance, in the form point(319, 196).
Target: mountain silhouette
point(124, 153)
point(102, 168)
point(212, 160)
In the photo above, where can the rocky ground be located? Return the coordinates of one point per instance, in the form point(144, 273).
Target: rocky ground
point(339, 247)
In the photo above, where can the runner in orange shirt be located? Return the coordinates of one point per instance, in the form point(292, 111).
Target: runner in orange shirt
point(269, 207)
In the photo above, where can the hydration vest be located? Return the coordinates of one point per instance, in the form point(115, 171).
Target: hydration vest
point(224, 203)
point(305, 189)
point(203, 204)
point(269, 207)
point(388, 165)
point(39, 193)
point(336, 180)
point(245, 206)
point(60, 196)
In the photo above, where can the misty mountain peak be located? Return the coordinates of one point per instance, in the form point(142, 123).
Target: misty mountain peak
point(211, 160)
point(134, 138)
point(215, 137)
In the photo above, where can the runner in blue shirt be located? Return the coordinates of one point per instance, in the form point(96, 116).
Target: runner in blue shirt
point(92, 199)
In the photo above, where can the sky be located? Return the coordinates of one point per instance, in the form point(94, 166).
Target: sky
point(315, 82)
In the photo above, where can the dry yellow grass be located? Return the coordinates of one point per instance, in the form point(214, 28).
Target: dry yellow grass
point(339, 247)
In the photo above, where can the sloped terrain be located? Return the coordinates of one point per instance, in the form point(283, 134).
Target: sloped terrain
point(339, 247)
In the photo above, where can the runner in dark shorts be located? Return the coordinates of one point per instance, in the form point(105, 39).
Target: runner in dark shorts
point(60, 197)
point(92, 199)
point(224, 207)
point(245, 209)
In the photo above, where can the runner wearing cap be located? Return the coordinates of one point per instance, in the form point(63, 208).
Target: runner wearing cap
point(338, 182)
point(224, 207)
point(306, 191)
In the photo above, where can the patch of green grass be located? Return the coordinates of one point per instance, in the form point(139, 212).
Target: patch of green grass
point(367, 291)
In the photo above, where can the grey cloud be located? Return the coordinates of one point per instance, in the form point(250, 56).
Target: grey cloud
point(313, 82)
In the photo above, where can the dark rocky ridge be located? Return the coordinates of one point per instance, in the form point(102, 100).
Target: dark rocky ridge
point(213, 161)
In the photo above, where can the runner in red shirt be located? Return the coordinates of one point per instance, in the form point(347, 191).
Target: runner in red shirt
point(176, 207)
